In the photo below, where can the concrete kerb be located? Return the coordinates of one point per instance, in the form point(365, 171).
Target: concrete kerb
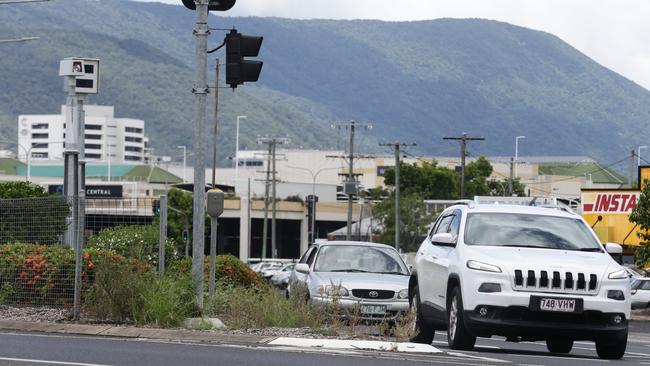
point(134, 332)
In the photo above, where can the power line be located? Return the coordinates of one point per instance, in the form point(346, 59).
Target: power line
point(463, 138)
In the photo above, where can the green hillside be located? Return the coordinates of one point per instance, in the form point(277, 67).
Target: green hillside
point(416, 81)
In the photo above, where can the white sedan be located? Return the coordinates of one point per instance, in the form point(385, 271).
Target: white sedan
point(641, 293)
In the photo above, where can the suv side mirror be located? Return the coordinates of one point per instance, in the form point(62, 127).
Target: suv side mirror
point(444, 239)
point(616, 251)
point(302, 268)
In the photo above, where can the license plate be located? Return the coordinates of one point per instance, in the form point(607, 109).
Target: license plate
point(561, 305)
point(373, 309)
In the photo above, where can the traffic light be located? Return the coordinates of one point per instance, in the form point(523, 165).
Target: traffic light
point(238, 69)
point(185, 235)
point(213, 5)
point(155, 207)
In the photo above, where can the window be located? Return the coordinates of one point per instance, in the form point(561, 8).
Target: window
point(306, 255)
point(93, 137)
point(93, 146)
point(131, 158)
point(42, 155)
point(93, 127)
point(311, 257)
point(93, 156)
point(443, 227)
point(40, 135)
point(132, 148)
point(529, 231)
point(39, 144)
point(39, 126)
point(454, 226)
point(133, 129)
point(132, 139)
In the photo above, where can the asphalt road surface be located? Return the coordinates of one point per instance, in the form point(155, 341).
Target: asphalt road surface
point(20, 349)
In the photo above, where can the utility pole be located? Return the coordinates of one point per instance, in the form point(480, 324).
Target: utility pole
point(265, 230)
point(216, 124)
point(350, 187)
point(396, 146)
point(272, 142)
point(631, 166)
point(512, 175)
point(200, 91)
point(463, 153)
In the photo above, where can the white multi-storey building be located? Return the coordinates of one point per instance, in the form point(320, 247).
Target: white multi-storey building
point(42, 136)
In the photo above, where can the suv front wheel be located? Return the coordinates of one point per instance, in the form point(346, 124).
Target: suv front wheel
point(422, 332)
point(611, 350)
point(458, 336)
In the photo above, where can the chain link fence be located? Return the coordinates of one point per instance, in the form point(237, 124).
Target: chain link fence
point(37, 263)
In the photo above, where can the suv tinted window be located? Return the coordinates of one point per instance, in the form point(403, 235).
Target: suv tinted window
point(454, 226)
point(645, 285)
point(306, 255)
point(443, 227)
point(311, 257)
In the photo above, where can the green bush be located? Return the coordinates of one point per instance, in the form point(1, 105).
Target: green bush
point(168, 301)
point(37, 274)
point(138, 241)
point(230, 271)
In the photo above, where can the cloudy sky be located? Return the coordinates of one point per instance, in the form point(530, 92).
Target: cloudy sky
point(615, 33)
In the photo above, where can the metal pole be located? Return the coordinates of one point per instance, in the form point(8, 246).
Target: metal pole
point(216, 124)
point(248, 193)
point(266, 203)
point(237, 148)
point(71, 162)
point(397, 203)
point(213, 255)
point(463, 153)
point(201, 32)
point(162, 236)
point(78, 249)
point(512, 176)
point(274, 253)
point(313, 207)
point(348, 234)
point(631, 167)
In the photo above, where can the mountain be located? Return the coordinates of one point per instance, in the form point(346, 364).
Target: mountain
point(415, 81)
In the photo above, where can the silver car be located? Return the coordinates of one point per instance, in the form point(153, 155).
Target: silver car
point(368, 275)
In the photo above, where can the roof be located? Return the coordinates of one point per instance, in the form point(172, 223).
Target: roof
point(351, 242)
point(599, 174)
point(11, 166)
point(123, 172)
point(516, 209)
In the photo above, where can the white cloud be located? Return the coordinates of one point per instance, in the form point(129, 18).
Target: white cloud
point(614, 33)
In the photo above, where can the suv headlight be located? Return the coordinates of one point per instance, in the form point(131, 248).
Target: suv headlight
point(403, 294)
point(480, 266)
point(618, 275)
point(335, 290)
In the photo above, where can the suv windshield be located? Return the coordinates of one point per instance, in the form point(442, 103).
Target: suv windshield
point(525, 230)
point(359, 258)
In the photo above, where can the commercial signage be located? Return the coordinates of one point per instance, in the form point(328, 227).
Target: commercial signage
point(612, 202)
point(93, 191)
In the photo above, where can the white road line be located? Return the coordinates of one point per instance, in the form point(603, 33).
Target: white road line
point(459, 354)
point(554, 357)
point(50, 362)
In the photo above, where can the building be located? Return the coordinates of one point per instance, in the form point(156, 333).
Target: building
point(107, 139)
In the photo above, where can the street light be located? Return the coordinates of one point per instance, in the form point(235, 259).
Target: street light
point(638, 155)
point(184, 158)
point(21, 39)
point(313, 193)
point(237, 149)
point(517, 152)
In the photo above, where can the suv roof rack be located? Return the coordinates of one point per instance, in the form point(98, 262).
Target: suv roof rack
point(538, 201)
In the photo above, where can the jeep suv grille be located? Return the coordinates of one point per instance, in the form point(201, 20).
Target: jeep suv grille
point(555, 281)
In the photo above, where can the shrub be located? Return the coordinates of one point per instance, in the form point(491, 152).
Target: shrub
point(168, 301)
point(138, 241)
point(230, 271)
point(37, 274)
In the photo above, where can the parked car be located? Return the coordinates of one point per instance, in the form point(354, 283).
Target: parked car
point(634, 272)
point(272, 268)
point(281, 278)
point(522, 272)
point(641, 293)
point(369, 275)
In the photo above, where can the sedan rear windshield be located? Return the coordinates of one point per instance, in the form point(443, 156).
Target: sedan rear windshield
point(525, 230)
point(359, 258)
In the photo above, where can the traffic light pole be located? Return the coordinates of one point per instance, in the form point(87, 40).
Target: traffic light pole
point(200, 91)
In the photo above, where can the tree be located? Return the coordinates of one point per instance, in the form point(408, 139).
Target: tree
point(179, 215)
point(29, 214)
point(641, 216)
point(414, 218)
point(428, 180)
point(477, 173)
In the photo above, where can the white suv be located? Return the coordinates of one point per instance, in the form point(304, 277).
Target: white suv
point(525, 273)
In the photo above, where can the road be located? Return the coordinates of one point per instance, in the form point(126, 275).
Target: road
point(20, 349)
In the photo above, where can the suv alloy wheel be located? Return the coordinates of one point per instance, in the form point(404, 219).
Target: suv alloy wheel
point(458, 336)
